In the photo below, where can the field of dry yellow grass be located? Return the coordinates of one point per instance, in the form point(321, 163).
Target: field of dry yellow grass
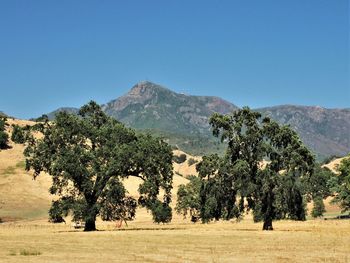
point(26, 236)
point(141, 241)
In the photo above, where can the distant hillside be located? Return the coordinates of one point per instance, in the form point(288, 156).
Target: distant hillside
point(183, 119)
point(52, 114)
point(325, 131)
point(151, 106)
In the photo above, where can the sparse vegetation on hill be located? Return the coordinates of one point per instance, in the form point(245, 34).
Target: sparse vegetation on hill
point(88, 156)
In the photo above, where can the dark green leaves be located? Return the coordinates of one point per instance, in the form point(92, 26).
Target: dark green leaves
point(88, 155)
point(262, 171)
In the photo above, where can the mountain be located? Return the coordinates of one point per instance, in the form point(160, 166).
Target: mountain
point(151, 106)
point(52, 114)
point(325, 131)
point(183, 119)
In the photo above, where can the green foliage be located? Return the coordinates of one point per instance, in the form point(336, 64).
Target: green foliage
point(341, 184)
point(316, 184)
point(161, 212)
point(191, 161)
point(3, 134)
point(236, 182)
point(180, 158)
point(89, 155)
point(115, 205)
point(18, 134)
point(42, 118)
point(318, 208)
point(55, 213)
point(188, 199)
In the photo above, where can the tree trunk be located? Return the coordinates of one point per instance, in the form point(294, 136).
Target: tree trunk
point(90, 225)
point(268, 208)
point(90, 219)
point(268, 224)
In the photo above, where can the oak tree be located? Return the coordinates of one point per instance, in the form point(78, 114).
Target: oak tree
point(88, 156)
point(341, 185)
point(261, 171)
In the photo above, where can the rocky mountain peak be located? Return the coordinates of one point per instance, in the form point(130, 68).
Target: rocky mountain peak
point(145, 88)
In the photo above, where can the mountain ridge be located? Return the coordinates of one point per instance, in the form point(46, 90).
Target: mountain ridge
point(182, 118)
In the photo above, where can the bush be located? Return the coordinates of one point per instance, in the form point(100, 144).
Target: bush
point(191, 161)
point(18, 135)
point(55, 213)
point(42, 118)
point(180, 158)
point(3, 140)
point(161, 213)
point(3, 135)
point(318, 208)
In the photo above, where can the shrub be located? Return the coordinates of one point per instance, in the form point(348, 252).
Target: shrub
point(3, 140)
point(191, 161)
point(318, 208)
point(3, 135)
point(18, 135)
point(180, 158)
point(161, 213)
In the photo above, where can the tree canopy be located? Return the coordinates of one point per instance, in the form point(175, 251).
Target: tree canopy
point(341, 184)
point(89, 156)
point(262, 170)
point(3, 134)
point(18, 134)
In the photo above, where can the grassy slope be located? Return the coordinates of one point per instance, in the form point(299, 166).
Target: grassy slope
point(21, 196)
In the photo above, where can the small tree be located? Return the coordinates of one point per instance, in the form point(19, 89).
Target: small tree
point(318, 208)
point(89, 155)
point(317, 188)
point(180, 158)
point(188, 199)
point(3, 134)
point(56, 213)
point(191, 161)
point(18, 134)
point(341, 185)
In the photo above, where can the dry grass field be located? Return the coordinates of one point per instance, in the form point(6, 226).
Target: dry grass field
point(26, 236)
point(141, 241)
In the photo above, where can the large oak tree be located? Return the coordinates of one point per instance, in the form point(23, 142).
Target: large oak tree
point(89, 156)
point(262, 171)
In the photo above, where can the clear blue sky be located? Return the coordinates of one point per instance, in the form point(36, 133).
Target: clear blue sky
point(250, 52)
